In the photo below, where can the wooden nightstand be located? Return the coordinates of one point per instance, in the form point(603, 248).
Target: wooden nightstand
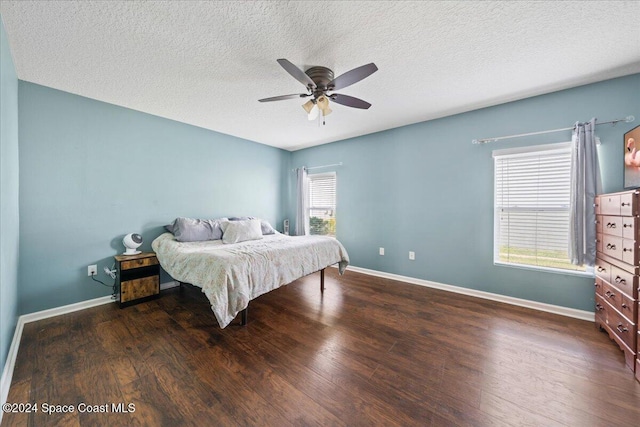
point(138, 278)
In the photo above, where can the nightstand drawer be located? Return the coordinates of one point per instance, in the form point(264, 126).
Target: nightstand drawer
point(137, 263)
point(139, 288)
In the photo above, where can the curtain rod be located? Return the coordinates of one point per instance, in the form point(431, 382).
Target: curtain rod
point(627, 119)
point(318, 167)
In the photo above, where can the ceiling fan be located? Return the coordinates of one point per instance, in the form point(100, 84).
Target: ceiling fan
point(319, 81)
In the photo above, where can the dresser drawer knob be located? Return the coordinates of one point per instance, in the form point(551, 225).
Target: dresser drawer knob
point(626, 204)
point(599, 307)
point(621, 328)
point(610, 294)
point(601, 269)
point(611, 247)
point(627, 225)
point(627, 250)
point(619, 279)
point(624, 305)
point(611, 225)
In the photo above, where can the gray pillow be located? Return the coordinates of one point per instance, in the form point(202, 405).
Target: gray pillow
point(264, 225)
point(196, 230)
point(241, 231)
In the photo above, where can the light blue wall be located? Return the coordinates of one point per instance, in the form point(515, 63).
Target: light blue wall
point(91, 172)
point(426, 188)
point(9, 205)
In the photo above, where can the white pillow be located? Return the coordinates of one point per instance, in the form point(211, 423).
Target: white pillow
point(241, 231)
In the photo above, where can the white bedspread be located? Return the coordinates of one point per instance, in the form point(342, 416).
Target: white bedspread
point(231, 275)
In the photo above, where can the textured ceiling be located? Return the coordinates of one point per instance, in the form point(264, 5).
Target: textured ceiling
point(207, 63)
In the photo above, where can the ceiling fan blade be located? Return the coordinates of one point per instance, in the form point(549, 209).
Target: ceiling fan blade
point(281, 97)
point(353, 76)
point(297, 73)
point(349, 101)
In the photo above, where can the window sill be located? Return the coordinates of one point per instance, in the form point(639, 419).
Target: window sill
point(588, 273)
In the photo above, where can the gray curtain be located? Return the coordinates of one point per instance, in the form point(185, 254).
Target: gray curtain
point(302, 200)
point(585, 184)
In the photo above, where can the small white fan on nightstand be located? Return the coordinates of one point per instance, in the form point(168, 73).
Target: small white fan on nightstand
point(132, 241)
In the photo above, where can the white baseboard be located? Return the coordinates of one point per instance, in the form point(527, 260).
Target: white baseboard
point(549, 308)
point(58, 311)
point(7, 372)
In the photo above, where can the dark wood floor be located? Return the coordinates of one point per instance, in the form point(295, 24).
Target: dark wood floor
point(368, 352)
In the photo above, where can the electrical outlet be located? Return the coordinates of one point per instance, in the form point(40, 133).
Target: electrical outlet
point(381, 251)
point(412, 255)
point(92, 270)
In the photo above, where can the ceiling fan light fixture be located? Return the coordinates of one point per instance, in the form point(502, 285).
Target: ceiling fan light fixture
point(313, 113)
point(323, 102)
point(308, 106)
point(323, 105)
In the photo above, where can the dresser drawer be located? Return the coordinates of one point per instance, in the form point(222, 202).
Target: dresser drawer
point(623, 328)
point(624, 281)
point(612, 246)
point(629, 227)
point(620, 301)
point(630, 251)
point(610, 205)
point(629, 204)
point(601, 309)
point(628, 307)
point(603, 270)
point(599, 285)
point(612, 225)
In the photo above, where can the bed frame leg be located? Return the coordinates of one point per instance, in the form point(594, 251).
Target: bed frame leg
point(322, 280)
point(243, 317)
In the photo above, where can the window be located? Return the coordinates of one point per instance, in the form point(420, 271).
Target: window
point(532, 199)
point(322, 204)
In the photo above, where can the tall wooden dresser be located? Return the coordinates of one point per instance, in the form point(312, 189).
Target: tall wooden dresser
point(617, 269)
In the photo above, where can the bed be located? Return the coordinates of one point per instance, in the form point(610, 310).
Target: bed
point(231, 275)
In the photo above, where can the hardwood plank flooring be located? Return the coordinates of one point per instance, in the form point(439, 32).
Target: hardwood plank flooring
point(369, 351)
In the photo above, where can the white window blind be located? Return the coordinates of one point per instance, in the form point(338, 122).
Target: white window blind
point(532, 198)
point(322, 204)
